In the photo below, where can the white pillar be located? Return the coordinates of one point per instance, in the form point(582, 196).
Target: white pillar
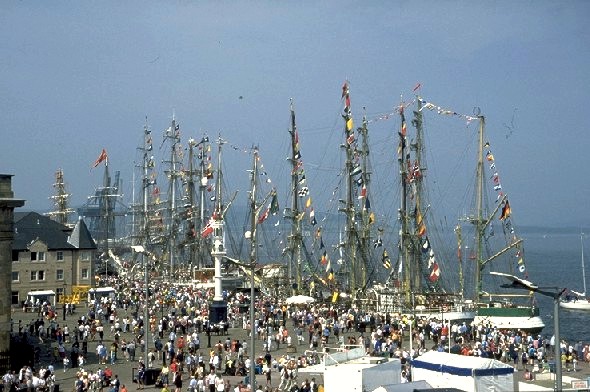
point(218, 253)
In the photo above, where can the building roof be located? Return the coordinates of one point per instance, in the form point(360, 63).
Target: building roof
point(81, 237)
point(32, 226)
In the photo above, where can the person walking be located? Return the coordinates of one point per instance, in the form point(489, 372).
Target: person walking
point(141, 375)
point(178, 381)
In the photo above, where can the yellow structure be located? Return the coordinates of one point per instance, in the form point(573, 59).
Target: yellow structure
point(78, 293)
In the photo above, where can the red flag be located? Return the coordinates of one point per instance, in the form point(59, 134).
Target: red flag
point(435, 273)
point(417, 86)
point(207, 230)
point(263, 217)
point(344, 89)
point(102, 157)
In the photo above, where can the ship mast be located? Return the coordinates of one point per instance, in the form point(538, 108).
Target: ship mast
point(173, 133)
point(60, 200)
point(193, 246)
point(253, 258)
point(142, 225)
point(348, 209)
point(206, 173)
point(404, 257)
point(414, 170)
point(460, 258)
point(479, 220)
point(365, 215)
point(295, 238)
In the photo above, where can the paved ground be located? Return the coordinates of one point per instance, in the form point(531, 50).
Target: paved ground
point(125, 369)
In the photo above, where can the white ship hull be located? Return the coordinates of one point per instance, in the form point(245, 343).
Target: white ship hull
point(525, 318)
point(576, 305)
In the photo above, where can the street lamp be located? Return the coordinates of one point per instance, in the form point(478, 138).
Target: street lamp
point(518, 283)
point(252, 267)
point(146, 328)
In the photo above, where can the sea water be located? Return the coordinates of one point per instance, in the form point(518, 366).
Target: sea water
point(554, 259)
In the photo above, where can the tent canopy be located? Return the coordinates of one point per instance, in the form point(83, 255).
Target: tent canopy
point(461, 365)
point(40, 293)
point(300, 300)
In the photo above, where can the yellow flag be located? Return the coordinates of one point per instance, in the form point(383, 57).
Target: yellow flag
point(334, 296)
point(349, 124)
point(308, 203)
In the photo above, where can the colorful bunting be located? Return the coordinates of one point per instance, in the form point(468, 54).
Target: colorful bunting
point(505, 211)
point(263, 217)
point(324, 258)
point(430, 106)
point(334, 296)
point(304, 191)
point(385, 260)
point(274, 203)
point(363, 192)
point(434, 273)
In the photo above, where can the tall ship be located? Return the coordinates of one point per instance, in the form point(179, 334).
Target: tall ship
point(349, 234)
point(174, 204)
point(419, 281)
point(106, 213)
point(496, 247)
point(61, 201)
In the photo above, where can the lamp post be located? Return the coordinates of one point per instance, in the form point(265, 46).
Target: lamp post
point(556, 293)
point(146, 327)
point(64, 308)
point(252, 267)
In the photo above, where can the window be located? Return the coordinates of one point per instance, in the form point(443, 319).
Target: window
point(84, 256)
point(14, 297)
point(59, 255)
point(14, 255)
point(59, 274)
point(15, 276)
point(85, 274)
point(41, 256)
point(37, 275)
point(33, 256)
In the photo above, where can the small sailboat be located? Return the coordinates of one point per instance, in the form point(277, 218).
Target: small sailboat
point(574, 300)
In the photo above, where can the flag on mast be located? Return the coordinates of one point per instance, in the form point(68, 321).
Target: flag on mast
point(102, 157)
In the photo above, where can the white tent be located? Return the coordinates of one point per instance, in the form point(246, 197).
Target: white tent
point(360, 374)
point(300, 300)
point(97, 293)
point(443, 370)
point(42, 295)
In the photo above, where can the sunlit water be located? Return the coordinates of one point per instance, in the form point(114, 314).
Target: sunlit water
point(554, 259)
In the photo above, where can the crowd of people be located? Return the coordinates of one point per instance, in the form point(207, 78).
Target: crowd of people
point(113, 329)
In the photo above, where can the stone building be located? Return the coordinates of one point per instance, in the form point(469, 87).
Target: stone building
point(7, 205)
point(50, 259)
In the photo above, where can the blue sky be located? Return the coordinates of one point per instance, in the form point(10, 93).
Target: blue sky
point(77, 77)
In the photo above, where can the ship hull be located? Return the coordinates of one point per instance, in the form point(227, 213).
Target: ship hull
point(524, 318)
point(582, 305)
point(452, 315)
